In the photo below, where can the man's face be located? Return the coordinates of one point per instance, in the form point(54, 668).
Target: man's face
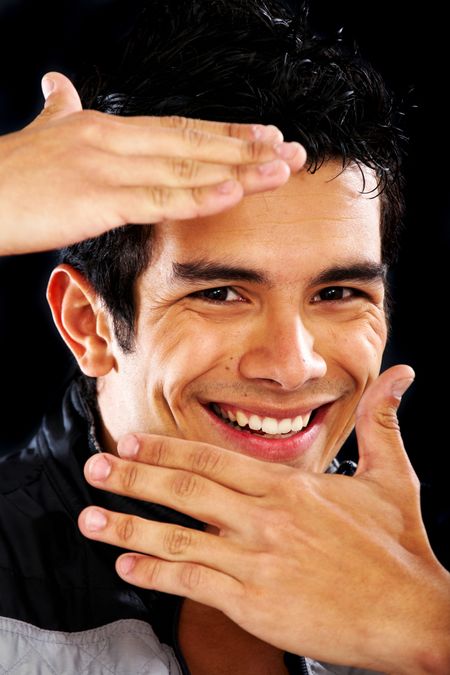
point(259, 321)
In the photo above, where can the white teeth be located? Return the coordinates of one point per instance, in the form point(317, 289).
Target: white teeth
point(297, 423)
point(267, 425)
point(284, 426)
point(255, 423)
point(241, 418)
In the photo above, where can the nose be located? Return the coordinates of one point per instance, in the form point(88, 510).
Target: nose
point(282, 351)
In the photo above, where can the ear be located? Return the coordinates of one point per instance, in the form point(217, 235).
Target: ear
point(82, 320)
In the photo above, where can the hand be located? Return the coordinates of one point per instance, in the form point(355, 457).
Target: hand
point(73, 173)
point(335, 567)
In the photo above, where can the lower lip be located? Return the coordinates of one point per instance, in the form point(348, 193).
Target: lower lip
point(267, 449)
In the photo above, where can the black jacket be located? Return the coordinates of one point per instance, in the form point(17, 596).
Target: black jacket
point(50, 575)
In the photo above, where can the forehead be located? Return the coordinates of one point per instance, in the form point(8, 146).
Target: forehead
point(313, 217)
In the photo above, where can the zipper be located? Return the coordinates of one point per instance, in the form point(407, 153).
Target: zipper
point(295, 664)
point(303, 666)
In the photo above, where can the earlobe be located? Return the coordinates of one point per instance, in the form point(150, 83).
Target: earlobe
point(81, 320)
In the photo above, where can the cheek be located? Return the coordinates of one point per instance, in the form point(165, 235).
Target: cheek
point(358, 347)
point(188, 349)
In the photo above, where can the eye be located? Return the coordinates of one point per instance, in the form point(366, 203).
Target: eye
point(336, 293)
point(221, 294)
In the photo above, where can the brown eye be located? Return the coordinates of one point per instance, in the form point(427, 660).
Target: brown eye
point(333, 293)
point(219, 294)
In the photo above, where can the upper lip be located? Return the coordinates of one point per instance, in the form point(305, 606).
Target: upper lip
point(266, 411)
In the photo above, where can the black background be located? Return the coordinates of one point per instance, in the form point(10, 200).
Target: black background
point(409, 45)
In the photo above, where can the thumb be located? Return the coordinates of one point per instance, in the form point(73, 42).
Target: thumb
point(61, 98)
point(380, 443)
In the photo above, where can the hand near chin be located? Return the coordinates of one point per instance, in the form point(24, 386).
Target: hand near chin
point(334, 567)
point(73, 174)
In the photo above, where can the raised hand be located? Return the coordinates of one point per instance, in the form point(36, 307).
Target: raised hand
point(338, 568)
point(73, 173)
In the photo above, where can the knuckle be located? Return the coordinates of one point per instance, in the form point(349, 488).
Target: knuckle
point(125, 528)
point(207, 460)
point(176, 122)
point(160, 196)
point(198, 197)
point(185, 485)
point(252, 151)
point(271, 523)
point(152, 572)
point(296, 483)
point(190, 576)
point(233, 129)
point(196, 139)
point(185, 168)
point(177, 540)
point(386, 418)
point(158, 454)
point(129, 477)
point(277, 521)
point(289, 487)
point(89, 125)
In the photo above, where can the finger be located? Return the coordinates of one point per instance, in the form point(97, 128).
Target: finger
point(380, 445)
point(116, 134)
point(230, 469)
point(249, 132)
point(154, 204)
point(188, 173)
point(180, 490)
point(61, 98)
point(189, 580)
point(166, 541)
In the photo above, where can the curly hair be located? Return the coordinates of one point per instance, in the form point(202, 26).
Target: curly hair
point(256, 61)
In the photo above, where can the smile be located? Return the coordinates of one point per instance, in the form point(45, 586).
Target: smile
point(267, 434)
point(266, 427)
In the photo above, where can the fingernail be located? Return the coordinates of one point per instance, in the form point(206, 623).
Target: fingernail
point(274, 133)
point(400, 386)
point(128, 446)
point(126, 564)
point(286, 150)
point(47, 86)
point(270, 132)
point(227, 187)
point(258, 132)
point(99, 468)
point(95, 520)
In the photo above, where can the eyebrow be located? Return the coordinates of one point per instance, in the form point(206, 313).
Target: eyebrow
point(364, 271)
point(209, 270)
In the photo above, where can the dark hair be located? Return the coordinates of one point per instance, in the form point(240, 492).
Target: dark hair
point(252, 61)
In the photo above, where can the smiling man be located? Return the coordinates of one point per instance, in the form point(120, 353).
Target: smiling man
point(257, 329)
point(226, 353)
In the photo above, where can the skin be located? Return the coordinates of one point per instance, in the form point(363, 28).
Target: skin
point(73, 173)
point(274, 344)
point(278, 344)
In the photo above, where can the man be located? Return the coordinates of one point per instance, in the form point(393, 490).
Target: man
point(239, 346)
